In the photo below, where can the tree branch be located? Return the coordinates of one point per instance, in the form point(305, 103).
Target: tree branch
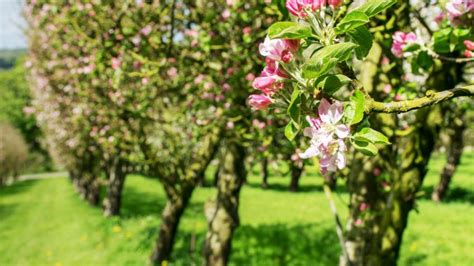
point(429, 99)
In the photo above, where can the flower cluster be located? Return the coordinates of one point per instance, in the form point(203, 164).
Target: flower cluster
point(469, 52)
point(457, 8)
point(327, 135)
point(276, 52)
point(299, 8)
point(402, 40)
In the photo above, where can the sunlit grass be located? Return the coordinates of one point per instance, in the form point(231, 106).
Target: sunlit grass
point(45, 223)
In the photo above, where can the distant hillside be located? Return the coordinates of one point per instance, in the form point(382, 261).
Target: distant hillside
point(8, 57)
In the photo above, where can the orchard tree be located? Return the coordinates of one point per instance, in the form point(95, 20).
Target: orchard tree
point(314, 68)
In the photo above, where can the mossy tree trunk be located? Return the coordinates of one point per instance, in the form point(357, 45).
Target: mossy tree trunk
point(170, 217)
point(179, 182)
point(84, 177)
point(454, 152)
point(222, 214)
point(264, 173)
point(296, 170)
point(379, 209)
point(116, 180)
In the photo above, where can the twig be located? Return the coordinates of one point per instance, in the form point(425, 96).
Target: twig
point(429, 99)
point(339, 230)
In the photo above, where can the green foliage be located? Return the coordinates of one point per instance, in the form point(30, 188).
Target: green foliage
point(326, 58)
point(289, 30)
point(362, 37)
point(352, 21)
point(373, 7)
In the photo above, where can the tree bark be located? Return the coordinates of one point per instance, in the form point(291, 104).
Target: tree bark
point(379, 211)
point(296, 172)
point(454, 152)
point(170, 218)
point(116, 180)
point(222, 215)
point(264, 173)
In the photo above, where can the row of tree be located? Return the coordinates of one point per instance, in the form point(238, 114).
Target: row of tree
point(160, 88)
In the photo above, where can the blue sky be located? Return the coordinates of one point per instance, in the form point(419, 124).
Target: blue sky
point(11, 25)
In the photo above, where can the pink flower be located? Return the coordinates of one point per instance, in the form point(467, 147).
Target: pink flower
point(327, 137)
point(258, 101)
point(279, 49)
point(246, 30)
point(457, 8)
point(387, 88)
point(358, 222)
point(250, 77)
point(115, 63)
point(468, 54)
point(146, 30)
point(230, 125)
point(230, 3)
point(191, 33)
point(226, 14)
point(270, 79)
point(334, 3)
point(226, 87)
point(439, 18)
point(172, 72)
point(258, 124)
point(400, 41)
point(297, 7)
point(363, 206)
point(469, 45)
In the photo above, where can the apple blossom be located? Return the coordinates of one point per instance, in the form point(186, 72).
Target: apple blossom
point(457, 8)
point(327, 137)
point(258, 101)
point(298, 7)
point(279, 49)
point(400, 41)
point(469, 45)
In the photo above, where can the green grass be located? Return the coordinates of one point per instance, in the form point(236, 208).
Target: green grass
point(43, 222)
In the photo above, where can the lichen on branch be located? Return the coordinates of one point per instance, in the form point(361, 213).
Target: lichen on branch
point(429, 99)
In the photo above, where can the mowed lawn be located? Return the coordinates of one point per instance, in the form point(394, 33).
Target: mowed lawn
point(43, 222)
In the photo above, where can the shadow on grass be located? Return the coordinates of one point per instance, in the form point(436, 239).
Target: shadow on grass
point(275, 244)
point(18, 187)
point(137, 203)
point(455, 194)
point(302, 188)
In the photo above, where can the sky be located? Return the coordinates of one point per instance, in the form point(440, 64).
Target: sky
point(11, 25)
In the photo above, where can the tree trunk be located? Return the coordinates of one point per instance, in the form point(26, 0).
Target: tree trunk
point(379, 211)
point(222, 215)
point(296, 172)
point(170, 218)
point(264, 173)
point(454, 152)
point(116, 180)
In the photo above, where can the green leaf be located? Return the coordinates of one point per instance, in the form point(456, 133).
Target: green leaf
point(365, 147)
point(424, 60)
point(309, 51)
point(327, 58)
point(373, 7)
point(351, 21)
point(441, 40)
point(363, 38)
point(358, 103)
point(289, 30)
point(371, 135)
point(412, 47)
point(290, 131)
point(319, 68)
point(331, 83)
point(293, 107)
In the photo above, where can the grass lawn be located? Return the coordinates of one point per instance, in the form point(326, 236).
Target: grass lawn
point(43, 222)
